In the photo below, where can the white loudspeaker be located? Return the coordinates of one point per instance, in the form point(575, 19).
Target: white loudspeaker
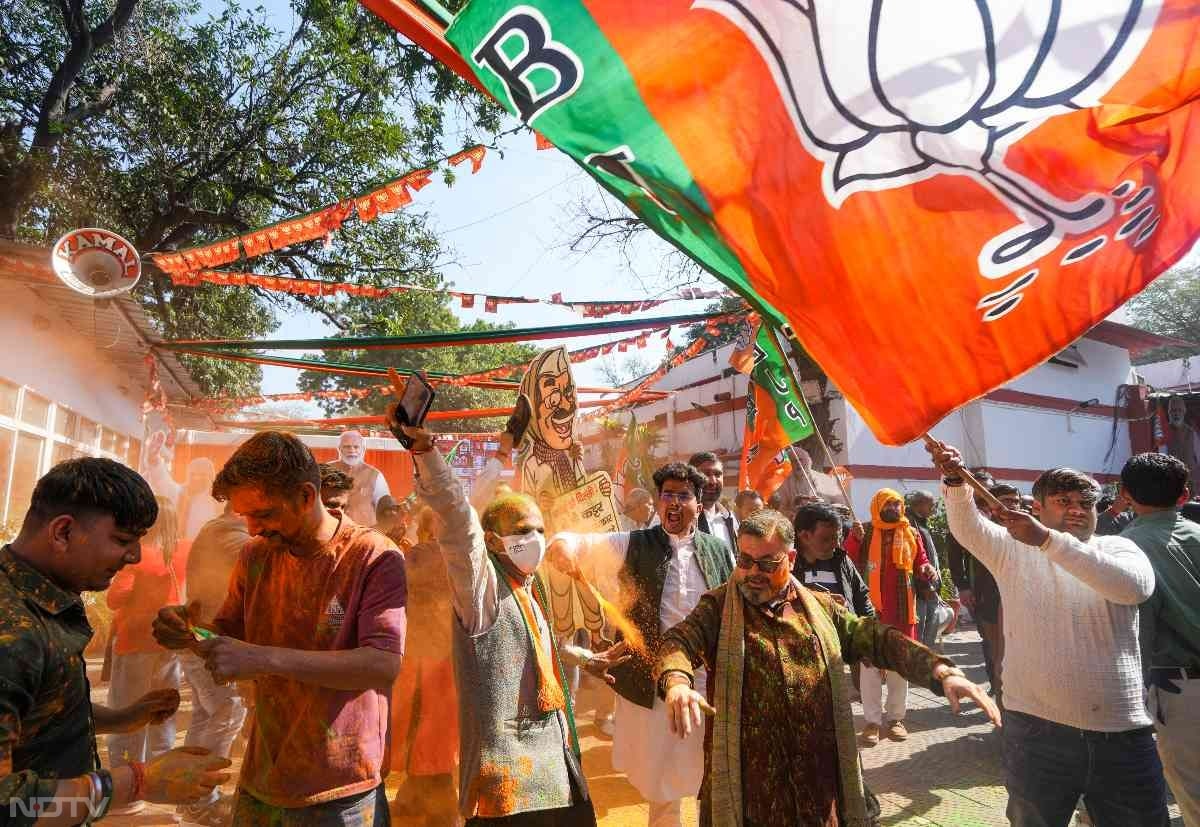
point(95, 262)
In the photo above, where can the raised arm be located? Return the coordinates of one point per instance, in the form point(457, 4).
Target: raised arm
point(989, 543)
point(600, 554)
point(1118, 571)
point(473, 585)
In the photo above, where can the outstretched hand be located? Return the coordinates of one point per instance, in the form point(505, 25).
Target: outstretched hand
point(601, 662)
point(685, 709)
point(957, 689)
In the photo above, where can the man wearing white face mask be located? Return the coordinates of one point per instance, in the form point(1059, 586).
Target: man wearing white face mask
point(518, 752)
point(664, 569)
point(369, 483)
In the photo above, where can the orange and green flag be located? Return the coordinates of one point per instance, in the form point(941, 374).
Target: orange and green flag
point(963, 187)
point(776, 414)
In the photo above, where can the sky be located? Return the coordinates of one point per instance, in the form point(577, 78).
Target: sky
point(507, 230)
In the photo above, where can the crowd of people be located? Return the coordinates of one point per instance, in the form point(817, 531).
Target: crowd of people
point(347, 635)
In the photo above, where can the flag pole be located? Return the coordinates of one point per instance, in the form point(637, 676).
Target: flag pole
point(779, 342)
point(969, 478)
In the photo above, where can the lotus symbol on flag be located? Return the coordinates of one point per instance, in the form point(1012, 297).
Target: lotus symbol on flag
point(888, 94)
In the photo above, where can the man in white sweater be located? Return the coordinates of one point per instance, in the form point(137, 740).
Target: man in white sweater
point(1075, 723)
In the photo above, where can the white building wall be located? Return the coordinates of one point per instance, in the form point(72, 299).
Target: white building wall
point(997, 434)
point(61, 399)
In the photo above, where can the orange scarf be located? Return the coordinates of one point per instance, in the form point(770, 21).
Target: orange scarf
point(550, 691)
point(903, 551)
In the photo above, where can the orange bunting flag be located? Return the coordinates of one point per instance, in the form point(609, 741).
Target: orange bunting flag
point(968, 187)
point(475, 155)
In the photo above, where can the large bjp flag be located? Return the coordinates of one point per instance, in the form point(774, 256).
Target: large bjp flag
point(936, 195)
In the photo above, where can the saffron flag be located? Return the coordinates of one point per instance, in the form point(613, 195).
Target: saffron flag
point(776, 415)
point(966, 187)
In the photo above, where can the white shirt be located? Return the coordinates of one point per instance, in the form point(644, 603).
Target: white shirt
point(1070, 620)
point(717, 526)
point(684, 583)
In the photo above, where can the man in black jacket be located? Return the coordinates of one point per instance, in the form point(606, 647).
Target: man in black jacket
point(821, 563)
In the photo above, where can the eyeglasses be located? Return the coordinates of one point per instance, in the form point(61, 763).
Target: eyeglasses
point(681, 497)
point(745, 561)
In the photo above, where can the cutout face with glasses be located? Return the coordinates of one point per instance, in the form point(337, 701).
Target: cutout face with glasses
point(677, 506)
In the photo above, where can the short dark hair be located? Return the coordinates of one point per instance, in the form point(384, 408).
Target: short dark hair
point(809, 515)
point(1003, 489)
point(1156, 480)
point(767, 523)
point(681, 471)
point(984, 476)
point(335, 479)
point(702, 457)
point(276, 462)
point(746, 494)
point(914, 497)
point(1064, 481)
point(90, 487)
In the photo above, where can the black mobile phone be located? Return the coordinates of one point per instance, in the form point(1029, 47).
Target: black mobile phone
point(414, 405)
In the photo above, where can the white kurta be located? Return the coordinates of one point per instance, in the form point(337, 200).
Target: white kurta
point(660, 765)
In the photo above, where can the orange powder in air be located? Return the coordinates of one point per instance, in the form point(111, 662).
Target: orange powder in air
point(616, 618)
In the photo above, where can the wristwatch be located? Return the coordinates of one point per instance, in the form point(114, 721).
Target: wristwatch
point(953, 482)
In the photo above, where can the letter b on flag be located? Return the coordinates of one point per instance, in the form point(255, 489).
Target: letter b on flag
point(536, 71)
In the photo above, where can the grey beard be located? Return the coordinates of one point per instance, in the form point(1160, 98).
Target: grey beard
point(751, 597)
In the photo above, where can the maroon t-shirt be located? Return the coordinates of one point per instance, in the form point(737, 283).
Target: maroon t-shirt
point(312, 744)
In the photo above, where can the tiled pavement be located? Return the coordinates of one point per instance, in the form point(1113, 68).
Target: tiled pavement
point(947, 773)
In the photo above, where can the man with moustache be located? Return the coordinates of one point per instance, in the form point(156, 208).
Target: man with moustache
point(1075, 723)
point(369, 483)
point(663, 571)
point(714, 518)
point(315, 617)
point(780, 750)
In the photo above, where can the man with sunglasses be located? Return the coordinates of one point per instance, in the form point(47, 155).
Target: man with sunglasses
point(780, 748)
point(663, 571)
point(1074, 719)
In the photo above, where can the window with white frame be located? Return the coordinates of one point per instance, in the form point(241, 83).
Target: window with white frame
point(36, 433)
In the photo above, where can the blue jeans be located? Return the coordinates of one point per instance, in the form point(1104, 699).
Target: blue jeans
point(1048, 766)
point(369, 809)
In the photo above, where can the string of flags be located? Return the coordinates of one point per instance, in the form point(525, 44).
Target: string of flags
point(491, 303)
point(623, 345)
point(322, 223)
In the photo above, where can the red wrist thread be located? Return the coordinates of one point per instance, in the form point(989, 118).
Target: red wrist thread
point(139, 780)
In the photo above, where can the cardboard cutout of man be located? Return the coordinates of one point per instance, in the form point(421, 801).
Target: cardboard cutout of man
point(369, 483)
point(550, 463)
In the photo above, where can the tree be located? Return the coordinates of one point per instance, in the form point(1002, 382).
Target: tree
point(1170, 306)
point(395, 315)
point(174, 130)
point(616, 374)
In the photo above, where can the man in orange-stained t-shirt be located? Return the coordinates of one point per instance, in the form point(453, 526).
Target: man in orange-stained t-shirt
point(315, 617)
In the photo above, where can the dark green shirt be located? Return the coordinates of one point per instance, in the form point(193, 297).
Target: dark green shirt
point(46, 726)
point(1170, 619)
